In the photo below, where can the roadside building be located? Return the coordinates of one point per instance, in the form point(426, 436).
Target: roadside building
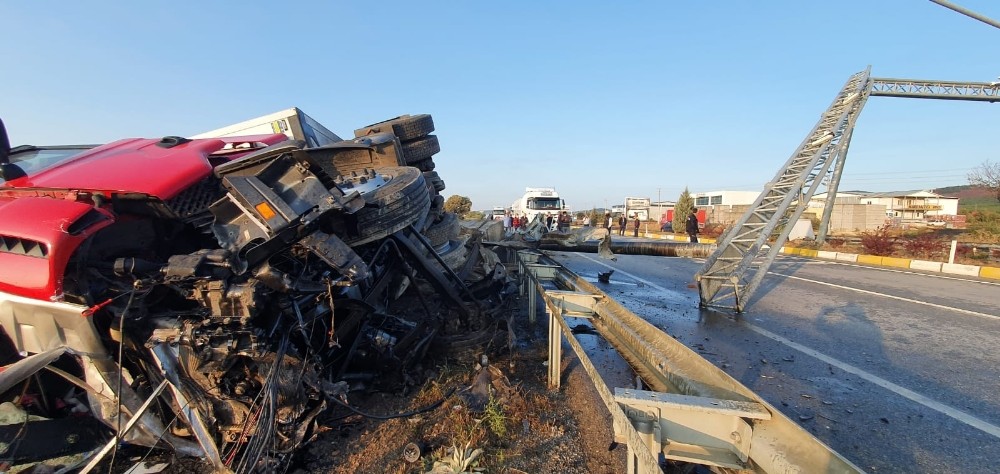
point(724, 207)
point(913, 206)
point(725, 198)
point(864, 210)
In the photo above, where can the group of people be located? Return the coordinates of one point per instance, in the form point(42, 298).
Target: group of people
point(623, 223)
point(513, 222)
point(561, 222)
point(690, 225)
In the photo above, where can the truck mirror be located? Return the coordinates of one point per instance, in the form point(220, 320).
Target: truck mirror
point(9, 171)
point(4, 143)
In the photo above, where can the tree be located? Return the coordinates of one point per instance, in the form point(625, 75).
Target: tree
point(460, 205)
point(685, 203)
point(987, 175)
point(596, 217)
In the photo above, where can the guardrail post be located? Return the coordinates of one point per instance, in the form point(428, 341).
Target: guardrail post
point(951, 255)
point(522, 277)
point(555, 349)
point(532, 303)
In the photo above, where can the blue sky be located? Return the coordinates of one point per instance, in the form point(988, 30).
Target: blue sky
point(599, 100)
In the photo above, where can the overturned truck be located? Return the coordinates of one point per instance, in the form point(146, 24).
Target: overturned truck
point(214, 295)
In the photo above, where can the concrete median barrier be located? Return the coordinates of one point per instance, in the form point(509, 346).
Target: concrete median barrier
point(958, 269)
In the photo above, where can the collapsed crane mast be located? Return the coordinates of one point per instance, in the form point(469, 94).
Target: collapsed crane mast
point(734, 271)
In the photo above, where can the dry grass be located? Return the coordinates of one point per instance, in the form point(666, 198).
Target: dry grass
point(523, 428)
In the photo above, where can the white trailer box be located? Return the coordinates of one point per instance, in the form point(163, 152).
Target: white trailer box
point(292, 122)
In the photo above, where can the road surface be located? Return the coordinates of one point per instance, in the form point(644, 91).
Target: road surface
point(899, 371)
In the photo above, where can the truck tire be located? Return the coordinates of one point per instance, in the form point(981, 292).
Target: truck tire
point(420, 149)
point(433, 180)
point(437, 208)
point(456, 254)
point(402, 201)
point(406, 127)
point(442, 231)
point(424, 165)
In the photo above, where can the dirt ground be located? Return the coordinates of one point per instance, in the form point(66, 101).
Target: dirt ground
point(521, 427)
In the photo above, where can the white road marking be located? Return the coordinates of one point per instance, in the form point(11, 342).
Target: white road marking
point(930, 403)
point(905, 392)
point(894, 297)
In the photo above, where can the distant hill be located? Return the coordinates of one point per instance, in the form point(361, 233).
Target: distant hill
point(965, 192)
point(971, 198)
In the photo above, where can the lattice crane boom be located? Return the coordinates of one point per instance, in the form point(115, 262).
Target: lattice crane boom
point(729, 274)
point(734, 271)
point(946, 90)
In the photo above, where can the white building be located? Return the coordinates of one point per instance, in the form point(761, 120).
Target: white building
point(725, 198)
point(907, 206)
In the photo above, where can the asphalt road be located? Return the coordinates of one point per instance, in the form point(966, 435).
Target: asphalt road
point(898, 371)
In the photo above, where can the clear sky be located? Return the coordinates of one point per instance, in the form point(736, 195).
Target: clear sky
point(601, 100)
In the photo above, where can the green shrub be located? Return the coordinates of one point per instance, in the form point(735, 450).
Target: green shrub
point(984, 226)
point(495, 418)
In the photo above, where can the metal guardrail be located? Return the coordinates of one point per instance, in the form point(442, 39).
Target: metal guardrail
point(697, 413)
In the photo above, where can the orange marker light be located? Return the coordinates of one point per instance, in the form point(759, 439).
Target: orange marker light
point(265, 210)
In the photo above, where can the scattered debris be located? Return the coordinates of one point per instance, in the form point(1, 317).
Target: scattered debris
point(411, 452)
point(604, 250)
point(147, 468)
point(583, 329)
point(605, 277)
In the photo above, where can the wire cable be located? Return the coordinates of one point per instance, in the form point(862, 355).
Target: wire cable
point(398, 415)
point(121, 350)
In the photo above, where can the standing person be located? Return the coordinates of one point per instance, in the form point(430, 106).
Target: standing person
point(516, 224)
point(691, 225)
point(607, 222)
point(548, 221)
point(635, 225)
point(622, 221)
point(508, 221)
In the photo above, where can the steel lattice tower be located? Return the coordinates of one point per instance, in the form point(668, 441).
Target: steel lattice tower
point(734, 271)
